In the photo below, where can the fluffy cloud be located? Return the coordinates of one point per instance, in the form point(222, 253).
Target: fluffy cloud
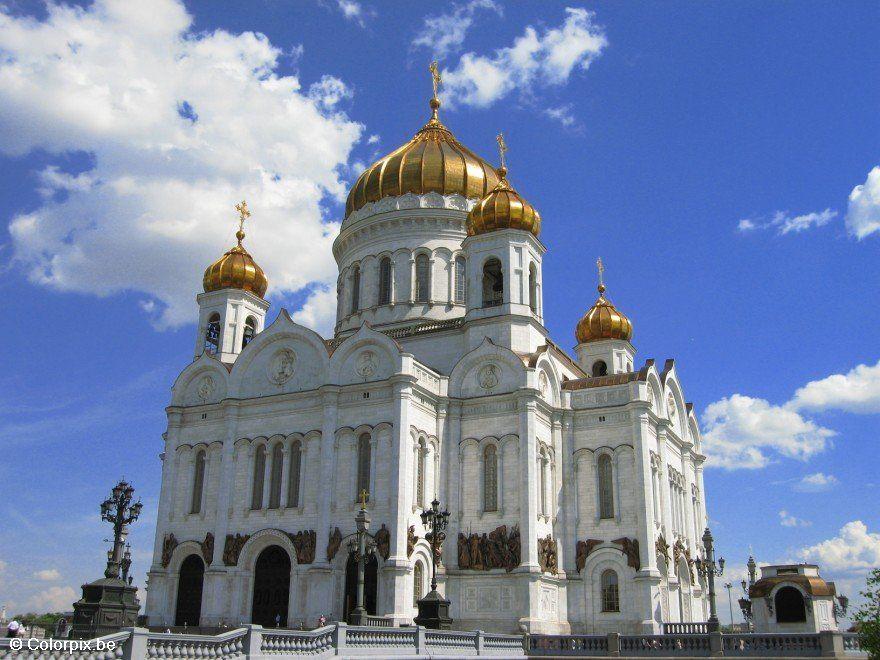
point(443, 34)
point(788, 520)
point(534, 60)
point(53, 599)
point(857, 391)
point(816, 483)
point(47, 574)
point(319, 311)
point(853, 549)
point(744, 432)
point(175, 127)
point(355, 11)
point(785, 223)
point(863, 210)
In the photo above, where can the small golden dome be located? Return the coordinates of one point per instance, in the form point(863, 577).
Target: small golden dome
point(503, 208)
point(433, 161)
point(603, 321)
point(236, 269)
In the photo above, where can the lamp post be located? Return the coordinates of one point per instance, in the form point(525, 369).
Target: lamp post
point(434, 608)
point(745, 605)
point(119, 510)
point(729, 586)
point(365, 545)
point(708, 569)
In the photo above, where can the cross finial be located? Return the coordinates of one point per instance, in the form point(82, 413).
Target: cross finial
point(364, 496)
point(601, 268)
point(435, 78)
point(243, 214)
point(502, 149)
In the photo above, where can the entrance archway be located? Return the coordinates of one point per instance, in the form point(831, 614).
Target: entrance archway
point(271, 588)
point(189, 592)
point(371, 585)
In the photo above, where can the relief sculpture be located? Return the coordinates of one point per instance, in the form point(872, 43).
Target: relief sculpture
point(208, 548)
point(547, 558)
point(232, 548)
point(168, 545)
point(497, 549)
point(383, 541)
point(583, 550)
point(333, 544)
point(630, 548)
point(304, 543)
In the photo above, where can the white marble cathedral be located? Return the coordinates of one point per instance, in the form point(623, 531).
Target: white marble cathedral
point(575, 486)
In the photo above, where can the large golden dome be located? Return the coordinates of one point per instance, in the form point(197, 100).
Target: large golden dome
point(503, 208)
point(603, 321)
point(236, 269)
point(433, 161)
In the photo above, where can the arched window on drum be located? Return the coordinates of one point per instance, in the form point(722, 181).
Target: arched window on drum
point(606, 487)
point(610, 592)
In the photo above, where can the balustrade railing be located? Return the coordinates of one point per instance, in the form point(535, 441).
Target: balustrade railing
point(685, 645)
point(765, 645)
point(686, 628)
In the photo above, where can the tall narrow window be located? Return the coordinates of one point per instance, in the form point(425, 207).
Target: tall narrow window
point(259, 477)
point(355, 289)
point(250, 329)
point(542, 473)
point(418, 581)
point(600, 368)
point(385, 281)
point(533, 288)
point(606, 487)
point(294, 471)
point(198, 482)
point(423, 278)
point(363, 465)
point(421, 457)
point(490, 478)
point(275, 477)
point(212, 334)
point(460, 281)
point(610, 592)
point(493, 283)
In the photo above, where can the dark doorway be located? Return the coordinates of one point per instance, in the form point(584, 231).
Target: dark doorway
point(371, 585)
point(790, 606)
point(189, 591)
point(271, 588)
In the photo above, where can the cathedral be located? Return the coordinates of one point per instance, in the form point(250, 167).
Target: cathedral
point(574, 484)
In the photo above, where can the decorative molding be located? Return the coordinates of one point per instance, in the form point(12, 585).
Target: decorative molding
point(497, 549)
point(410, 201)
point(232, 548)
point(583, 550)
point(630, 548)
point(547, 555)
point(169, 543)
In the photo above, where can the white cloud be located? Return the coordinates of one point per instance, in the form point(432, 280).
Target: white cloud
point(564, 114)
point(863, 210)
point(785, 223)
point(816, 483)
point(444, 34)
point(319, 311)
point(744, 432)
point(373, 139)
point(857, 391)
point(178, 126)
point(53, 599)
point(355, 11)
point(47, 574)
point(788, 520)
point(534, 60)
point(853, 549)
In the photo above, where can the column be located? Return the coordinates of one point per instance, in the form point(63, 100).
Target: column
point(285, 475)
point(330, 397)
point(559, 491)
point(647, 580)
point(528, 508)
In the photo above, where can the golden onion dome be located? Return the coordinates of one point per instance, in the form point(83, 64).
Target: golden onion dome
point(433, 161)
point(603, 321)
point(236, 269)
point(503, 208)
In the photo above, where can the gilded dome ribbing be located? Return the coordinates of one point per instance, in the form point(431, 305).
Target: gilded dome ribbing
point(236, 269)
point(503, 208)
point(603, 321)
point(433, 161)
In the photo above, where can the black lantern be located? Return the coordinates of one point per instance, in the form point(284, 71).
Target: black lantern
point(707, 568)
point(434, 608)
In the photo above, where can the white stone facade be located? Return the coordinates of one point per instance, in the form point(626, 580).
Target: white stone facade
point(459, 398)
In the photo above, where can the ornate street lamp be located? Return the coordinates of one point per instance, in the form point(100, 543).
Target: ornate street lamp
point(707, 568)
point(434, 608)
point(121, 512)
point(365, 547)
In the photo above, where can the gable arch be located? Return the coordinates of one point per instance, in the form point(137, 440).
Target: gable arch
point(204, 381)
point(544, 365)
point(365, 356)
point(471, 375)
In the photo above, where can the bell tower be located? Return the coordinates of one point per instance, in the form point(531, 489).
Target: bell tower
point(603, 336)
point(232, 309)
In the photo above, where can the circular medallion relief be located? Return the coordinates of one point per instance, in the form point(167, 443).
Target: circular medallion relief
point(366, 364)
point(489, 376)
point(206, 388)
point(281, 366)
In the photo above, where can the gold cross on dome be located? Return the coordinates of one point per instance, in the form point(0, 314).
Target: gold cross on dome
point(502, 148)
point(243, 214)
point(436, 80)
point(364, 496)
point(601, 267)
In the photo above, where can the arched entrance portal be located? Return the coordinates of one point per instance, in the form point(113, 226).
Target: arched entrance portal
point(271, 588)
point(371, 584)
point(189, 591)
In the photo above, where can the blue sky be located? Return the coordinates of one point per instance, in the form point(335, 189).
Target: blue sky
point(720, 157)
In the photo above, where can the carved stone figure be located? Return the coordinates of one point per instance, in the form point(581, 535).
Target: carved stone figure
point(464, 557)
point(544, 386)
point(366, 365)
point(583, 550)
point(438, 549)
point(304, 543)
point(476, 551)
point(208, 548)
point(662, 548)
point(206, 388)
point(489, 377)
point(515, 547)
point(630, 548)
point(547, 555)
point(232, 548)
point(333, 544)
point(497, 549)
point(169, 543)
point(282, 365)
point(383, 541)
point(677, 551)
point(411, 540)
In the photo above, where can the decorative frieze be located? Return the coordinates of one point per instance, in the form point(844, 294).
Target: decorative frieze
point(547, 555)
point(304, 543)
point(497, 549)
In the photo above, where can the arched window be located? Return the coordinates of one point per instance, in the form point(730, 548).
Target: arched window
point(275, 476)
point(493, 283)
point(542, 482)
point(421, 458)
point(610, 592)
point(250, 329)
point(490, 478)
point(355, 289)
point(790, 607)
point(385, 281)
point(533, 288)
point(363, 466)
point(198, 482)
point(294, 471)
point(418, 582)
point(606, 487)
point(212, 334)
point(423, 278)
point(600, 368)
point(460, 281)
point(259, 476)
